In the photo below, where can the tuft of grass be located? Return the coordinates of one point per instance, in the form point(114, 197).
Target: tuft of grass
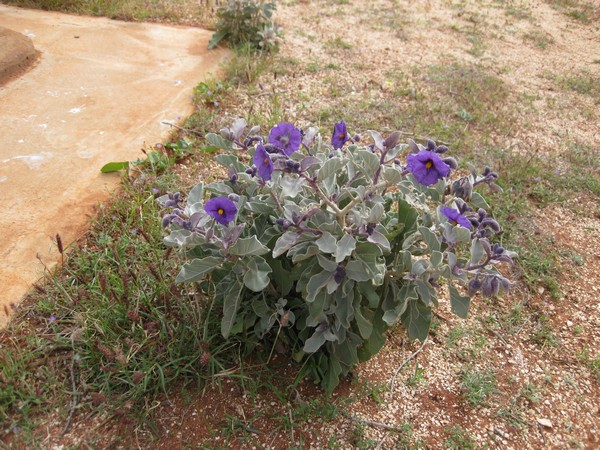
point(584, 83)
point(539, 39)
point(244, 67)
point(542, 333)
point(584, 11)
point(338, 44)
point(477, 385)
point(459, 439)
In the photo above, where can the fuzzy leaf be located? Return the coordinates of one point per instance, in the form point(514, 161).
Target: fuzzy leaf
point(219, 142)
point(330, 168)
point(238, 127)
point(196, 194)
point(355, 270)
point(478, 201)
point(377, 139)
point(217, 37)
point(392, 175)
point(430, 239)
point(286, 241)
point(365, 326)
point(370, 162)
point(459, 303)
point(436, 259)
point(195, 270)
point(256, 277)
point(417, 320)
point(315, 284)
point(327, 264)
point(326, 243)
point(345, 247)
point(379, 239)
point(248, 246)
point(231, 304)
point(407, 215)
point(291, 186)
point(477, 251)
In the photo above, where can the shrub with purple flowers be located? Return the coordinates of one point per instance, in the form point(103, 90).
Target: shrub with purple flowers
point(319, 247)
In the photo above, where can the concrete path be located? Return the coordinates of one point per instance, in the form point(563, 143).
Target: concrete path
point(97, 94)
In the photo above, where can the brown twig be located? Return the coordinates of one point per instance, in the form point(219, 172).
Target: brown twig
point(185, 130)
point(74, 397)
point(406, 361)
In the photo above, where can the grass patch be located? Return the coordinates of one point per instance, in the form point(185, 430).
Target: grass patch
point(190, 13)
point(539, 39)
point(583, 11)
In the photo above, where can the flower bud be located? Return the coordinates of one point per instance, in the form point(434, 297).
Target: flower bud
point(462, 188)
point(166, 221)
point(392, 140)
point(491, 223)
point(474, 286)
point(451, 162)
point(486, 287)
point(356, 138)
point(441, 149)
point(340, 273)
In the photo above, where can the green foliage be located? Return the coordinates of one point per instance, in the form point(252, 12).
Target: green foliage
point(247, 22)
point(157, 160)
point(329, 252)
point(209, 93)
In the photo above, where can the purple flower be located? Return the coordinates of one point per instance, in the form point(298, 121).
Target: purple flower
point(340, 135)
point(455, 217)
point(263, 163)
point(427, 167)
point(286, 137)
point(222, 209)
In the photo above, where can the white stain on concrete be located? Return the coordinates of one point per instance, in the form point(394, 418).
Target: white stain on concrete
point(33, 161)
point(76, 110)
point(86, 153)
point(3, 178)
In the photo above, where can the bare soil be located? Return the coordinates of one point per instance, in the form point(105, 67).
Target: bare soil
point(17, 55)
point(544, 393)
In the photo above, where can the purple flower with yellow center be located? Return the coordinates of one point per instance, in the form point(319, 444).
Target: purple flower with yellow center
point(455, 218)
point(222, 209)
point(427, 167)
point(263, 163)
point(340, 135)
point(286, 137)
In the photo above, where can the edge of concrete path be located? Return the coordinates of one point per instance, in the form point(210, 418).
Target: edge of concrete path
point(17, 55)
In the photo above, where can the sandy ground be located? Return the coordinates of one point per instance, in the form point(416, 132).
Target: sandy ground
point(97, 94)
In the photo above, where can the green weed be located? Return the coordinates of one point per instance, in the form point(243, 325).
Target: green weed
point(459, 439)
point(539, 39)
point(477, 385)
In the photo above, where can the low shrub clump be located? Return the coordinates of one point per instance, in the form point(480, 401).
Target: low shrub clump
point(315, 248)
